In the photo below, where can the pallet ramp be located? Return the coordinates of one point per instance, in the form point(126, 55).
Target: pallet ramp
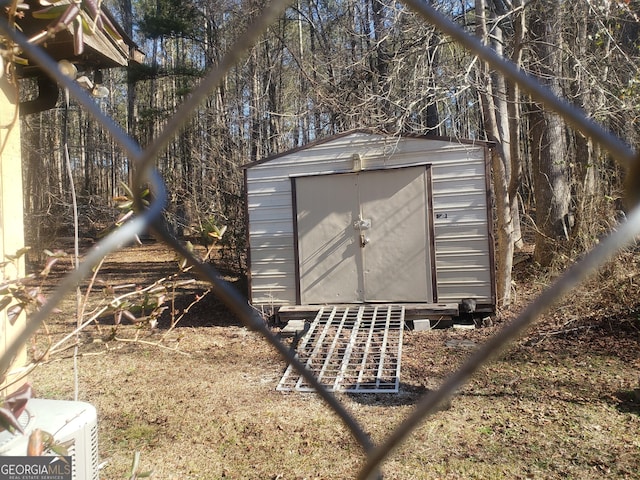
point(355, 349)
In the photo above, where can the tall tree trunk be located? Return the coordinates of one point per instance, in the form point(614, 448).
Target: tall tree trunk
point(586, 172)
point(513, 111)
point(495, 117)
point(255, 110)
point(432, 118)
point(548, 142)
point(380, 70)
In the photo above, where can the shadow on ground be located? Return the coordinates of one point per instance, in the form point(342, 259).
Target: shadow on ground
point(408, 394)
point(199, 309)
point(629, 401)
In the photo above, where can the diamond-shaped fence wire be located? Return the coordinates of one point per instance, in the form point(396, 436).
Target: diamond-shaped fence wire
point(149, 219)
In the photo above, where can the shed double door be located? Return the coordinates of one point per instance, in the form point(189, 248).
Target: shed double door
point(364, 237)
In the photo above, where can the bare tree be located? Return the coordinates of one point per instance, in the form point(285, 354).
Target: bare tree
point(499, 100)
point(549, 159)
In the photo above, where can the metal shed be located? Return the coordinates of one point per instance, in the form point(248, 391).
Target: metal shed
point(370, 218)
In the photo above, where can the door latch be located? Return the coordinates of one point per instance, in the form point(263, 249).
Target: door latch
point(362, 225)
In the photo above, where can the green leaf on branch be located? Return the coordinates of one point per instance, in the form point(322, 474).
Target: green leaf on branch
point(50, 13)
point(18, 254)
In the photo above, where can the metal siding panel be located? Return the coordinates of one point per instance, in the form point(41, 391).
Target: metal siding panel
point(463, 245)
point(468, 276)
point(461, 201)
point(272, 269)
point(270, 213)
point(268, 186)
point(275, 294)
point(453, 231)
point(470, 167)
point(262, 241)
point(471, 216)
point(470, 184)
point(268, 200)
point(462, 263)
point(454, 293)
point(272, 253)
point(461, 224)
point(275, 227)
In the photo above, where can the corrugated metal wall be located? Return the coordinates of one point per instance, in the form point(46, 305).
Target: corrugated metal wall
point(463, 257)
point(461, 225)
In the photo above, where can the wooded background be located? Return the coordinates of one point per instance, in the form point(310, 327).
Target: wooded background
point(331, 66)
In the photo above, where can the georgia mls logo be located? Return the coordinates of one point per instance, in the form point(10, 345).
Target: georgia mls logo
point(36, 468)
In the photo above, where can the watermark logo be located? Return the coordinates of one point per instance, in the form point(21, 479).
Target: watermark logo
point(36, 468)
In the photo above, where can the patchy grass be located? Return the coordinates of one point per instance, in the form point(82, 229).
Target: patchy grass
point(563, 402)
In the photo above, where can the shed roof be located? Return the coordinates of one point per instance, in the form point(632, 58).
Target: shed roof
point(370, 131)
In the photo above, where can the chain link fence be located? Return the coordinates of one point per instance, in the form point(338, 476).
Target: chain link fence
point(150, 218)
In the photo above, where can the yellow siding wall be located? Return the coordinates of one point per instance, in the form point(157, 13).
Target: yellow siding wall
point(11, 220)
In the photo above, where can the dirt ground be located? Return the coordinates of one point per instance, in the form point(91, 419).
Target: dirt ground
point(199, 401)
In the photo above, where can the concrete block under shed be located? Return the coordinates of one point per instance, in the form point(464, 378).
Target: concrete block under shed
point(463, 326)
point(422, 324)
point(293, 328)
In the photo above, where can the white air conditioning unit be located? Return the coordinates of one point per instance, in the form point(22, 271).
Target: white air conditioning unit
point(72, 422)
